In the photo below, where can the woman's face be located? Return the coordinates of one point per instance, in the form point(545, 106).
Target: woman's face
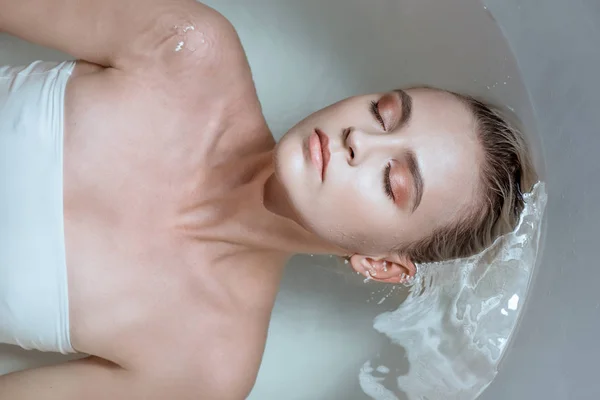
point(373, 172)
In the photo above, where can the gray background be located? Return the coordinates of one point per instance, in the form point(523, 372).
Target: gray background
point(556, 354)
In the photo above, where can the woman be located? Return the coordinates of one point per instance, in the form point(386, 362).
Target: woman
point(148, 224)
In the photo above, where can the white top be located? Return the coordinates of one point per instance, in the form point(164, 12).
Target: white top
point(34, 307)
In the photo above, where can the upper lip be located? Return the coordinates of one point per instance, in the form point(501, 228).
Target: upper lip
point(326, 154)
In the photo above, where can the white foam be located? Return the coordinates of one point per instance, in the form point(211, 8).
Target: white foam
point(459, 316)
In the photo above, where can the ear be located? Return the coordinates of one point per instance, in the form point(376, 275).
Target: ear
point(390, 269)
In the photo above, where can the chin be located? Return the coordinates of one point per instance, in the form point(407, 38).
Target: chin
point(289, 161)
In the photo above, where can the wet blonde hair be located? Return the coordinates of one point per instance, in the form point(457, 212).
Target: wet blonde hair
point(506, 173)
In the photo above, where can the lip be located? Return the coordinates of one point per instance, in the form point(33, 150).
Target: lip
point(318, 144)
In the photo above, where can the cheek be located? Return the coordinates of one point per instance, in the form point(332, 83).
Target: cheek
point(354, 215)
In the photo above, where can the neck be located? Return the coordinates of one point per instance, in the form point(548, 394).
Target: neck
point(264, 209)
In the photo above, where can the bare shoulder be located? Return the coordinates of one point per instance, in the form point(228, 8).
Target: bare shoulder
point(206, 334)
point(178, 39)
point(217, 338)
point(227, 358)
point(193, 49)
point(213, 360)
point(192, 57)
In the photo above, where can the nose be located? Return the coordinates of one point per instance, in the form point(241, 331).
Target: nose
point(362, 145)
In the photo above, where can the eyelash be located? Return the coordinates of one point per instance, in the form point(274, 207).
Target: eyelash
point(387, 185)
point(376, 114)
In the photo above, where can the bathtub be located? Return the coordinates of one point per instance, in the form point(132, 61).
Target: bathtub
point(540, 58)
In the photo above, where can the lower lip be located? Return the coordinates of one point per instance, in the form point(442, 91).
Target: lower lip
point(316, 152)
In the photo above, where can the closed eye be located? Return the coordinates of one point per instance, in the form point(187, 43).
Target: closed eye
point(377, 114)
point(387, 184)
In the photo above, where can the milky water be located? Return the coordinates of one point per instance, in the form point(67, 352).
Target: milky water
point(456, 322)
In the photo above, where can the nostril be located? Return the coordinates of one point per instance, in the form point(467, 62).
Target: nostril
point(347, 143)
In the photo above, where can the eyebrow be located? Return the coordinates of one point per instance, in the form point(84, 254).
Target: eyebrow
point(417, 178)
point(407, 104)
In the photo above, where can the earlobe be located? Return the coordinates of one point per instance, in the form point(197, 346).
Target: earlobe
point(360, 264)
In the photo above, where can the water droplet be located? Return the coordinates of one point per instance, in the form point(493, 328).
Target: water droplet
point(383, 369)
point(513, 303)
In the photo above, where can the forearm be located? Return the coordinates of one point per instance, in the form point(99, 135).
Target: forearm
point(105, 32)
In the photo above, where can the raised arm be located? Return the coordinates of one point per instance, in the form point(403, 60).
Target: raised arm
point(124, 34)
